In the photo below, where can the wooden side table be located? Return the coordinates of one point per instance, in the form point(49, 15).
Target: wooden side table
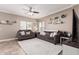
point(62, 38)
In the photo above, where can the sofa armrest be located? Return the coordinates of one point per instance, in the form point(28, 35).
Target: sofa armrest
point(56, 39)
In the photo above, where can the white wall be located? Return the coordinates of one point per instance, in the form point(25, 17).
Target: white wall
point(9, 31)
point(66, 26)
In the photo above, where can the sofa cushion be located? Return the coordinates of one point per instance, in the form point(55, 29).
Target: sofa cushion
point(22, 33)
point(53, 34)
point(69, 34)
point(42, 33)
point(28, 33)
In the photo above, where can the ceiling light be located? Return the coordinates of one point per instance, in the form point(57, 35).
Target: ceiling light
point(30, 13)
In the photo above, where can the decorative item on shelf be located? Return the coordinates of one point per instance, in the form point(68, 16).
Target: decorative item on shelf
point(57, 20)
point(62, 22)
point(2, 22)
point(56, 17)
point(50, 21)
point(7, 22)
point(63, 16)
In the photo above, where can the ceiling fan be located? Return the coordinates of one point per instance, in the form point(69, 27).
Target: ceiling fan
point(31, 11)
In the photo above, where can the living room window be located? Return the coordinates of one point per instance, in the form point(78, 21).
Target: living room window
point(29, 25)
point(23, 25)
point(41, 26)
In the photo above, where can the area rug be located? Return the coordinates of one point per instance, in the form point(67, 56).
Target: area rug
point(39, 47)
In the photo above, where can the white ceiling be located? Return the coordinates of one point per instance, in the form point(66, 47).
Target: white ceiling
point(43, 9)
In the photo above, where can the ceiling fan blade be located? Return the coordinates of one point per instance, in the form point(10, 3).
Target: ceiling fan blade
point(35, 12)
point(30, 10)
point(25, 9)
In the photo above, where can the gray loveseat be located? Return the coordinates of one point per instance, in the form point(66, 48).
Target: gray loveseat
point(25, 34)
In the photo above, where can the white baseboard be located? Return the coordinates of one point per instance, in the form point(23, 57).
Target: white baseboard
point(2, 40)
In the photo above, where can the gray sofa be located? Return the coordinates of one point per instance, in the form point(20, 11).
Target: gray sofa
point(53, 39)
point(46, 37)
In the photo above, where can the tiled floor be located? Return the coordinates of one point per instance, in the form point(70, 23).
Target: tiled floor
point(10, 48)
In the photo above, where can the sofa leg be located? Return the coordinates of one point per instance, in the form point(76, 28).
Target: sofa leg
point(55, 43)
point(20, 39)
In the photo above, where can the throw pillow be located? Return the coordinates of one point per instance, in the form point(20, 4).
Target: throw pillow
point(42, 33)
point(53, 34)
point(28, 33)
point(22, 33)
point(69, 34)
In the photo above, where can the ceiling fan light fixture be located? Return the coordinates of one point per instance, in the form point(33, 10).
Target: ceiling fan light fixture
point(30, 13)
